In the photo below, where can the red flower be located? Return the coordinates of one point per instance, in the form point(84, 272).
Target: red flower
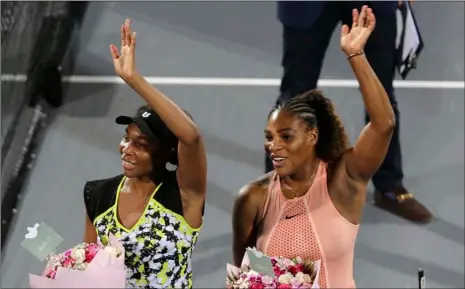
point(284, 286)
point(91, 251)
point(51, 274)
point(278, 272)
point(296, 269)
point(257, 285)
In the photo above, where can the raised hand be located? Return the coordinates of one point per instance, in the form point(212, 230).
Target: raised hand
point(124, 61)
point(353, 40)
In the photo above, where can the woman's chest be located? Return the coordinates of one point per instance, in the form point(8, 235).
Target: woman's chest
point(314, 234)
point(130, 210)
point(156, 232)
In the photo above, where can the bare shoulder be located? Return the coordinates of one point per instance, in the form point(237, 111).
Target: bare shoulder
point(252, 196)
point(256, 189)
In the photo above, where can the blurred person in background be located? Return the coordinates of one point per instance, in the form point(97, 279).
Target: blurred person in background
point(307, 30)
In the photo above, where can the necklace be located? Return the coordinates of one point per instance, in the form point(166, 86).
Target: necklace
point(295, 192)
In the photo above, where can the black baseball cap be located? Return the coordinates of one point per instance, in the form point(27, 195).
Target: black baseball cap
point(150, 124)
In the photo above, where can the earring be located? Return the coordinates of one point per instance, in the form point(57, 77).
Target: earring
point(171, 167)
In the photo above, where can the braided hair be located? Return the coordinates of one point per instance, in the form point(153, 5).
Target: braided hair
point(317, 111)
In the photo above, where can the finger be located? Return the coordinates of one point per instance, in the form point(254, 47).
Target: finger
point(361, 17)
point(371, 19)
point(114, 52)
point(123, 36)
point(128, 32)
point(354, 18)
point(344, 30)
point(133, 40)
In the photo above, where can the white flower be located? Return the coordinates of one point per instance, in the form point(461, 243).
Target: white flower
point(245, 268)
point(113, 251)
point(244, 285)
point(299, 260)
point(79, 255)
point(267, 280)
point(304, 278)
point(252, 273)
point(284, 263)
point(295, 282)
point(285, 278)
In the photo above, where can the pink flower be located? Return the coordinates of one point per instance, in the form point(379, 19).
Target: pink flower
point(67, 253)
point(306, 285)
point(91, 251)
point(273, 261)
point(68, 262)
point(284, 286)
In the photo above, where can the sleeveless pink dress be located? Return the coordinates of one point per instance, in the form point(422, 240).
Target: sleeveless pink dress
point(310, 227)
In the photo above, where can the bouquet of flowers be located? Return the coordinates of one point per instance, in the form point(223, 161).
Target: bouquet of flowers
point(84, 266)
point(286, 273)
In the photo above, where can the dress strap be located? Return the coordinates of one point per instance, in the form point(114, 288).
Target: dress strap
point(269, 195)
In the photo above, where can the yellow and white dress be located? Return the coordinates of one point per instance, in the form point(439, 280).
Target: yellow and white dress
point(159, 246)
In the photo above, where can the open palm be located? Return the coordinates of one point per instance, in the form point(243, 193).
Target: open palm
point(124, 61)
point(353, 39)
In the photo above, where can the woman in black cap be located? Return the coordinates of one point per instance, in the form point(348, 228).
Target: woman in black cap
point(155, 208)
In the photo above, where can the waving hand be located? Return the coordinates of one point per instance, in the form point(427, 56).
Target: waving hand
point(124, 61)
point(353, 40)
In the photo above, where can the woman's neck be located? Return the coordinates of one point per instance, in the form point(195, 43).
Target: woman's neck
point(303, 175)
point(139, 186)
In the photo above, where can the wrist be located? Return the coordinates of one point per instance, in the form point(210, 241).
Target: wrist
point(133, 78)
point(357, 60)
point(355, 54)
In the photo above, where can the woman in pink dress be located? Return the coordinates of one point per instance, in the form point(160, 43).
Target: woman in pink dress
point(311, 204)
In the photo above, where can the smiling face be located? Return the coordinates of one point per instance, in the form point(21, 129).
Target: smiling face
point(290, 142)
point(136, 152)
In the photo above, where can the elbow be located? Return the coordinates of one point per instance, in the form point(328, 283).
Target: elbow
point(391, 124)
point(191, 138)
point(386, 127)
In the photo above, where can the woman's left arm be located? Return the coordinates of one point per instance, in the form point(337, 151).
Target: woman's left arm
point(192, 169)
point(371, 147)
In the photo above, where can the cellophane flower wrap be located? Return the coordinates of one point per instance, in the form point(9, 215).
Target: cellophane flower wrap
point(289, 273)
point(84, 266)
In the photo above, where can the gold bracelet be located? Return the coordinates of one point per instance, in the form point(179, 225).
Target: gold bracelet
point(355, 54)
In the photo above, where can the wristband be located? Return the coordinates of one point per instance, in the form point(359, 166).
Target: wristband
point(355, 54)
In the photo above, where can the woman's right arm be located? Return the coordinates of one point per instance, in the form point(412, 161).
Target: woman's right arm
point(90, 235)
point(245, 214)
